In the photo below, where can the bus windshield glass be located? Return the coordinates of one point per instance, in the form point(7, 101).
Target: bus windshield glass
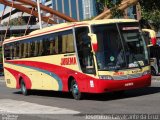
point(120, 46)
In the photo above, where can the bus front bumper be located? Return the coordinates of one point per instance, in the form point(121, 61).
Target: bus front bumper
point(102, 86)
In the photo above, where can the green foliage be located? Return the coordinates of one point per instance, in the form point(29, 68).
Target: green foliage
point(150, 5)
point(117, 13)
point(151, 13)
point(110, 4)
point(15, 22)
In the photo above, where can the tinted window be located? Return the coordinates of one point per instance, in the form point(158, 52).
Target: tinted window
point(51, 44)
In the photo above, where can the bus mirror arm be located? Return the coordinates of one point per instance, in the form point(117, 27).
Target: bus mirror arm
point(150, 36)
point(94, 42)
point(93, 53)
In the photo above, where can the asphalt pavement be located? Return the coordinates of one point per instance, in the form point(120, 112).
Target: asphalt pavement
point(50, 105)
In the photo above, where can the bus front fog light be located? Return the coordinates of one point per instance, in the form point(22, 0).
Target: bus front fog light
point(91, 83)
point(105, 77)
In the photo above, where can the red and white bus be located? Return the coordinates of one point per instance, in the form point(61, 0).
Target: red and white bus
point(81, 57)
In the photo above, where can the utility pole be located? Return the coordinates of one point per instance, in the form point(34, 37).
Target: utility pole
point(39, 15)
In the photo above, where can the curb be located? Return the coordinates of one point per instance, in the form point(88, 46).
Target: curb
point(155, 78)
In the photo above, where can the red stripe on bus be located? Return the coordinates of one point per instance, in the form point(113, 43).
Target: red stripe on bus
point(62, 72)
point(84, 81)
point(17, 76)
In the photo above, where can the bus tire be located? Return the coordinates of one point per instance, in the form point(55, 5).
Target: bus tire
point(23, 88)
point(77, 95)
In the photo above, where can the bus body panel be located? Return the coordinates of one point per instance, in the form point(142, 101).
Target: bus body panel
point(131, 81)
point(17, 77)
point(118, 85)
point(42, 75)
point(87, 83)
point(10, 79)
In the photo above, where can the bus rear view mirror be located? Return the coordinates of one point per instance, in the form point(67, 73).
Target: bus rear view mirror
point(94, 41)
point(152, 36)
point(146, 38)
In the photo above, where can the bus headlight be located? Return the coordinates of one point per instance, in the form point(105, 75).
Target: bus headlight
point(105, 77)
point(146, 72)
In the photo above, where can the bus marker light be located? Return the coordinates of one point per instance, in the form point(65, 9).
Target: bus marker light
point(91, 83)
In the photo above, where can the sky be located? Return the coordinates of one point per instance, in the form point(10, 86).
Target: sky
point(1, 7)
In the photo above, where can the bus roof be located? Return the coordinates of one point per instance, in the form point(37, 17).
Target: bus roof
point(64, 26)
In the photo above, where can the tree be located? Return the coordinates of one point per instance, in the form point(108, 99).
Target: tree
point(103, 5)
point(150, 14)
point(150, 11)
point(15, 22)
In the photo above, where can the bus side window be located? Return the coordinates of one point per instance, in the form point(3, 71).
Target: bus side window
point(15, 50)
point(36, 48)
point(67, 42)
point(11, 51)
point(70, 43)
point(52, 46)
point(60, 44)
point(29, 49)
point(7, 52)
point(32, 49)
point(64, 43)
point(40, 52)
point(25, 53)
point(56, 45)
point(46, 47)
point(21, 50)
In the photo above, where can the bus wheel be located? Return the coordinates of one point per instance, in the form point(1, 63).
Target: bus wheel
point(23, 88)
point(77, 95)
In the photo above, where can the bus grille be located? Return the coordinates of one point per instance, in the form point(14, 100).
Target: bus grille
point(126, 77)
point(120, 77)
point(135, 75)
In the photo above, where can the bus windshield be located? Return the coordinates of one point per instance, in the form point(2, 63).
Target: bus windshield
point(120, 46)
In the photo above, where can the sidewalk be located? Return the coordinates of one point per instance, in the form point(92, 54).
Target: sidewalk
point(157, 78)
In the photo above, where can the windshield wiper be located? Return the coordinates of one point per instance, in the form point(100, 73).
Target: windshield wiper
point(140, 67)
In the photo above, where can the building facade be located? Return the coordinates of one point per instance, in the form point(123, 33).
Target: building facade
point(77, 9)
